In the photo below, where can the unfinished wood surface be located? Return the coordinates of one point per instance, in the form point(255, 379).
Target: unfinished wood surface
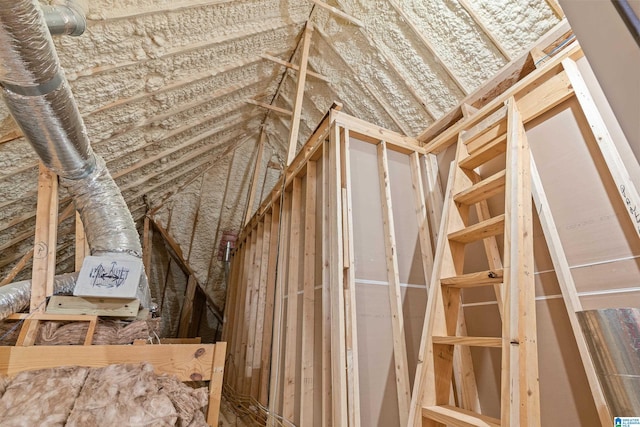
point(520, 402)
point(327, 397)
point(308, 298)
point(338, 12)
point(293, 66)
point(249, 267)
point(569, 291)
point(626, 188)
point(351, 327)
point(424, 234)
point(45, 241)
point(395, 294)
point(336, 288)
point(253, 307)
point(469, 9)
point(186, 311)
point(147, 245)
point(270, 107)
point(82, 246)
point(253, 188)
point(215, 385)
point(293, 279)
point(297, 105)
point(108, 307)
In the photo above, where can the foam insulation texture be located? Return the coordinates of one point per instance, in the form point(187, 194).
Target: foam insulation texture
point(162, 87)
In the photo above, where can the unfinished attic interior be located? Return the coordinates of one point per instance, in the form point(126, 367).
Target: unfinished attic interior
point(319, 213)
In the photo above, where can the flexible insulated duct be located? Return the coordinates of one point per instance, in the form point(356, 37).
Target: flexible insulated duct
point(39, 97)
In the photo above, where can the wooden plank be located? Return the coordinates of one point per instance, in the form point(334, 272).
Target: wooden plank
point(263, 263)
point(482, 127)
point(108, 307)
point(482, 190)
point(480, 278)
point(457, 417)
point(293, 279)
point(338, 12)
point(297, 105)
point(555, 6)
point(147, 245)
point(469, 341)
point(189, 362)
point(215, 386)
point(424, 234)
point(254, 180)
point(273, 219)
point(82, 246)
point(45, 241)
point(336, 285)
point(294, 67)
point(569, 291)
point(425, 41)
point(17, 268)
point(327, 396)
point(253, 318)
point(270, 107)
point(27, 335)
point(434, 195)
point(91, 330)
point(626, 188)
point(520, 396)
point(186, 311)
point(308, 298)
point(395, 294)
point(248, 314)
point(234, 335)
point(490, 227)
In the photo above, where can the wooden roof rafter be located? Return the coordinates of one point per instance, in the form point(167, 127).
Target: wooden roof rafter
point(476, 18)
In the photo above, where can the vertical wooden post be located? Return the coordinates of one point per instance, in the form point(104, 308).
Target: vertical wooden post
point(82, 246)
point(254, 181)
point(520, 391)
point(44, 255)
point(327, 397)
point(187, 307)
point(395, 294)
point(147, 245)
point(308, 297)
point(255, 300)
point(297, 106)
point(248, 300)
point(426, 251)
point(336, 289)
point(293, 279)
point(353, 375)
point(215, 385)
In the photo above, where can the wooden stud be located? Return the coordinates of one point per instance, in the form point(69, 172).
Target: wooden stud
point(254, 181)
point(17, 268)
point(187, 307)
point(308, 298)
point(626, 188)
point(147, 245)
point(424, 235)
point(270, 107)
point(247, 312)
point(327, 397)
point(519, 375)
point(339, 13)
point(297, 105)
point(215, 385)
point(44, 258)
point(351, 329)
point(255, 301)
point(569, 292)
point(82, 246)
point(395, 293)
point(555, 6)
point(293, 279)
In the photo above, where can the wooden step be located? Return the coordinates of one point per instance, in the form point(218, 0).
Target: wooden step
point(452, 416)
point(484, 154)
point(469, 341)
point(482, 190)
point(472, 280)
point(491, 127)
point(482, 230)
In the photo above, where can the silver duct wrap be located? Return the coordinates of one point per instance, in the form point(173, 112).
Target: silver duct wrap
point(65, 19)
point(40, 99)
point(16, 296)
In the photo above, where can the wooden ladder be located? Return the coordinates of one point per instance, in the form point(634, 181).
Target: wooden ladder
point(448, 391)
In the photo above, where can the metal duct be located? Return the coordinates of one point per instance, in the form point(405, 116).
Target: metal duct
point(613, 338)
point(16, 296)
point(39, 97)
point(65, 19)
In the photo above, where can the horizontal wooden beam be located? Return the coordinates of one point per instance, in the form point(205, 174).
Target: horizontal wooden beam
point(338, 12)
point(270, 107)
point(293, 67)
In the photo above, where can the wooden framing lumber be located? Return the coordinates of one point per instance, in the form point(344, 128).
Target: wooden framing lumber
point(254, 180)
point(253, 301)
point(82, 246)
point(147, 244)
point(270, 107)
point(297, 105)
point(243, 336)
point(520, 393)
point(293, 66)
point(395, 294)
point(45, 242)
point(476, 18)
point(424, 235)
point(308, 297)
point(569, 292)
point(186, 311)
point(327, 383)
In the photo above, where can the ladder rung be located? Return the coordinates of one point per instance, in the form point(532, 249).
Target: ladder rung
point(469, 341)
point(489, 123)
point(483, 189)
point(452, 416)
point(480, 278)
point(490, 227)
point(484, 154)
